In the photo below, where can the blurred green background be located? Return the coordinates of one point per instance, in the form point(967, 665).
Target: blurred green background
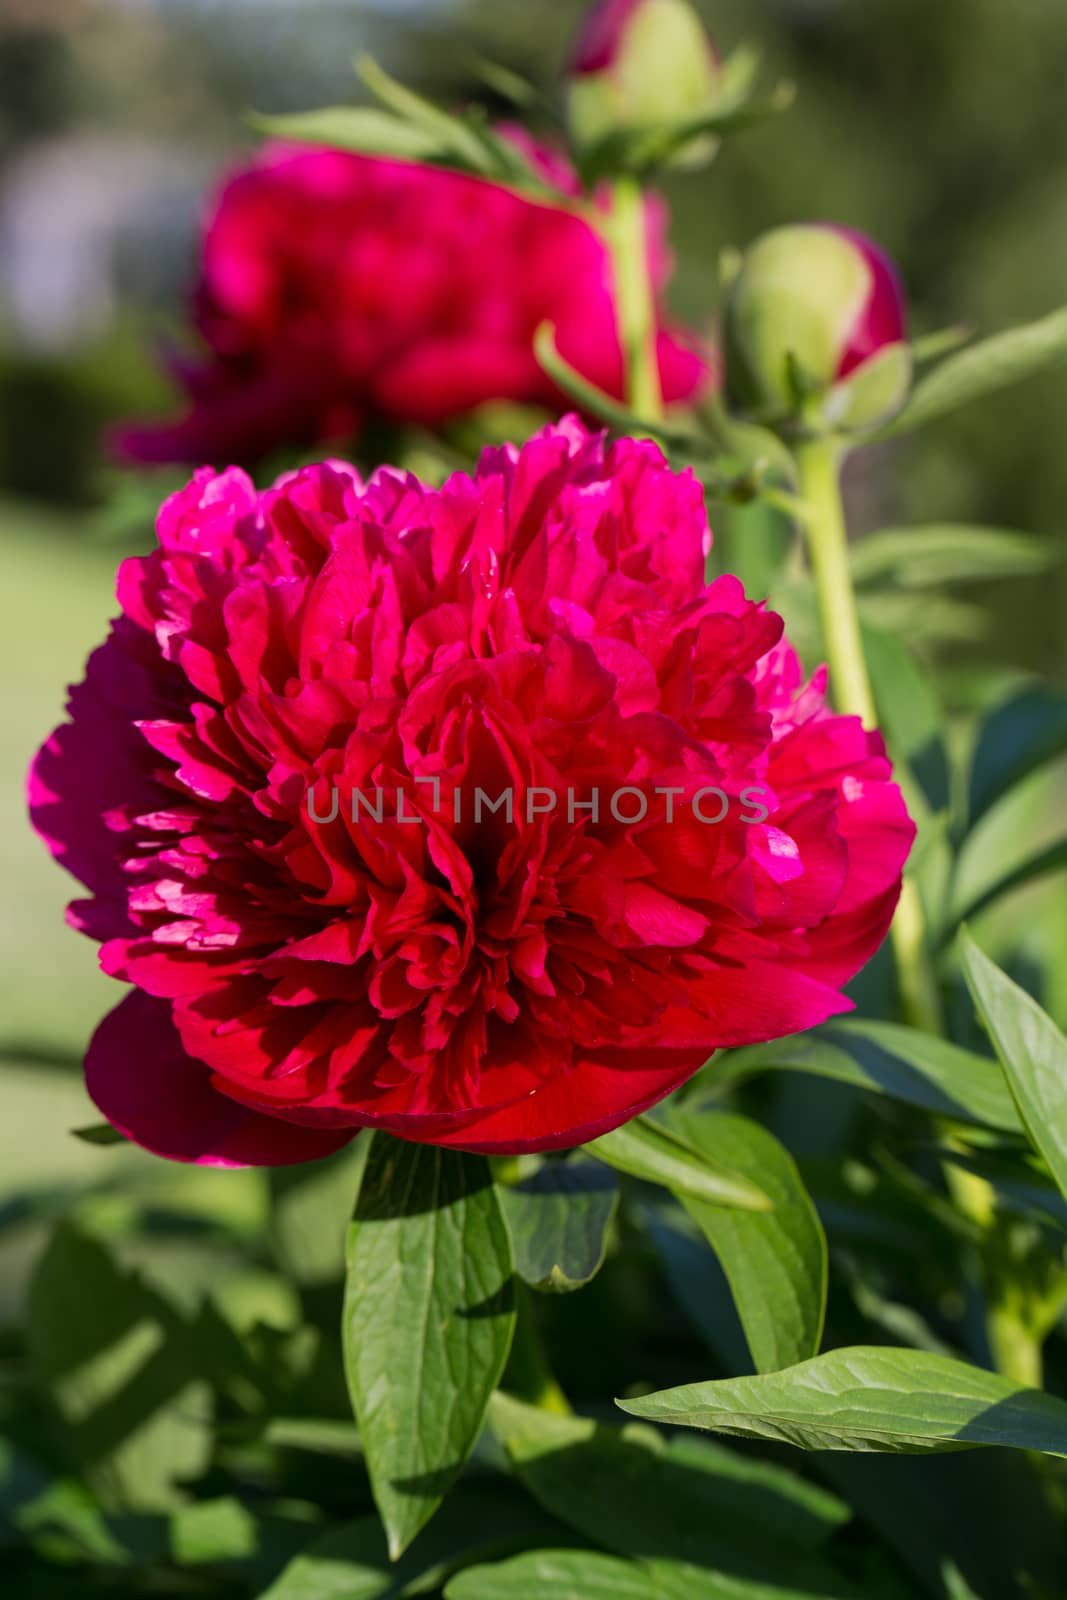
point(939, 128)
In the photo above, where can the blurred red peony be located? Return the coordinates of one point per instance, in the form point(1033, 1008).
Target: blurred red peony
point(336, 288)
point(696, 852)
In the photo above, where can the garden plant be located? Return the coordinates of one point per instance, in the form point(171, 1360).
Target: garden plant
point(502, 892)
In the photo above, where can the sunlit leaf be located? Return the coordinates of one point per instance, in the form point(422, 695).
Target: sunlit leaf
point(646, 1150)
point(886, 1058)
point(428, 1320)
point(869, 1398)
point(121, 1368)
point(775, 1261)
point(983, 369)
point(1031, 1049)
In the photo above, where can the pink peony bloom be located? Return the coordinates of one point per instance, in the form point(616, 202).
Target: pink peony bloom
point(697, 851)
point(336, 288)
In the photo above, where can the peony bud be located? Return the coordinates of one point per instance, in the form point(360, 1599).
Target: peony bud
point(814, 330)
point(638, 65)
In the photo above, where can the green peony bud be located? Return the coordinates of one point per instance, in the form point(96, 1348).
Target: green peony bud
point(815, 331)
point(638, 65)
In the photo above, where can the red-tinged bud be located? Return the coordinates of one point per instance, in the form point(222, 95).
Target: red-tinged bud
point(638, 65)
point(815, 329)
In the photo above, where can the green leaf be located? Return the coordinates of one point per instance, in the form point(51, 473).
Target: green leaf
point(869, 1398)
point(22, 1481)
point(737, 478)
point(632, 1492)
point(1031, 1049)
point(588, 1575)
point(559, 1220)
point(311, 1206)
point(364, 129)
point(639, 151)
point(983, 369)
point(428, 1320)
point(120, 1367)
point(455, 136)
point(645, 1150)
point(696, 1280)
point(932, 346)
point(565, 1575)
point(909, 713)
point(887, 1058)
point(327, 1436)
point(1052, 859)
point(65, 1523)
point(1020, 1178)
point(586, 394)
point(1020, 736)
point(209, 1531)
point(352, 1562)
point(101, 1133)
point(775, 1261)
point(917, 558)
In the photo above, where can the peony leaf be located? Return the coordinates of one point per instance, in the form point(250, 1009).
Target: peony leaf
point(428, 1320)
point(1032, 1051)
point(123, 1372)
point(753, 470)
point(559, 1220)
point(595, 401)
point(645, 1150)
point(1052, 859)
point(918, 558)
point(351, 1562)
point(887, 1058)
point(569, 1575)
point(775, 1261)
point(455, 136)
point(1020, 736)
point(983, 369)
point(100, 1133)
point(363, 129)
point(909, 714)
point(640, 151)
point(210, 1531)
point(1020, 1177)
point(588, 1575)
point(311, 1207)
point(942, 342)
point(869, 1398)
point(635, 1493)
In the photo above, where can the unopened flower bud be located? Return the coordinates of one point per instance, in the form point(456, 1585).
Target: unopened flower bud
point(815, 330)
point(638, 65)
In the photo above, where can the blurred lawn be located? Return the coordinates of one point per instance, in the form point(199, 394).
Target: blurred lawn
point(60, 594)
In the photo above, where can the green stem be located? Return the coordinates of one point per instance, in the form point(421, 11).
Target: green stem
point(1013, 1347)
point(820, 489)
point(818, 462)
point(635, 299)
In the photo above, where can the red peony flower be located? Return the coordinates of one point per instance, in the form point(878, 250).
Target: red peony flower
point(335, 288)
point(695, 853)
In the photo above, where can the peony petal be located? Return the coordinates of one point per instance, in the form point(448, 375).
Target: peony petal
point(141, 1079)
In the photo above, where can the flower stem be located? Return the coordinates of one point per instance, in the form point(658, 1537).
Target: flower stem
point(818, 462)
point(1013, 1346)
point(635, 299)
point(820, 488)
